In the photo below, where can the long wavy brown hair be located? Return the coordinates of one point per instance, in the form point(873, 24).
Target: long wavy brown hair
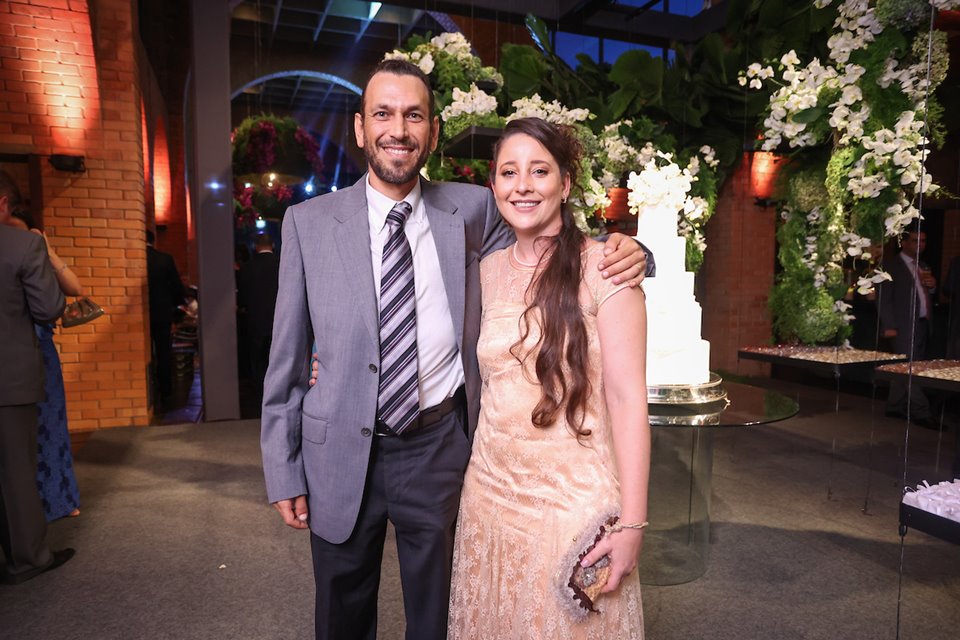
point(562, 361)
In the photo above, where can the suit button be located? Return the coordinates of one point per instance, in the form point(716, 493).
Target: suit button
point(373, 368)
point(365, 432)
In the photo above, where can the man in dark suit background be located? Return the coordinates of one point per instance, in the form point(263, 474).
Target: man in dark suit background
point(257, 283)
point(165, 293)
point(29, 289)
point(906, 309)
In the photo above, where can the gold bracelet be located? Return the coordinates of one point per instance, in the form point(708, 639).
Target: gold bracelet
point(619, 526)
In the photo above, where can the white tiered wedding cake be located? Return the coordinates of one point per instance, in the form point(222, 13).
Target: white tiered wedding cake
point(676, 354)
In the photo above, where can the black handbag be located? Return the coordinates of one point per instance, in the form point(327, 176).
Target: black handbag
point(80, 311)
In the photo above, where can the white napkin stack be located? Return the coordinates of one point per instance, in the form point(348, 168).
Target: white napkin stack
point(942, 499)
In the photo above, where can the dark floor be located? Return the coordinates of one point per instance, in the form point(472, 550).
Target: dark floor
point(176, 539)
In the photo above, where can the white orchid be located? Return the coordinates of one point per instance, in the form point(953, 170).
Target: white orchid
point(866, 283)
point(475, 101)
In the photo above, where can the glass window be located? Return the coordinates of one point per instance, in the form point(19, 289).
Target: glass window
point(679, 7)
point(568, 45)
point(613, 49)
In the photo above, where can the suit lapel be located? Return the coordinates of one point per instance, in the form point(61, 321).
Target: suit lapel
point(353, 243)
point(446, 225)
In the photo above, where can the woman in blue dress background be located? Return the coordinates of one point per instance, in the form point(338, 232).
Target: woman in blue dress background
point(56, 481)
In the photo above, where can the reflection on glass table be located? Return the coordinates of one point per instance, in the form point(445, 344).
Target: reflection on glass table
point(676, 545)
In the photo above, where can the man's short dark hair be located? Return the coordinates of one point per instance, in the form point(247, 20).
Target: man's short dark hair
point(23, 215)
point(399, 68)
point(150, 237)
point(913, 227)
point(9, 188)
point(263, 241)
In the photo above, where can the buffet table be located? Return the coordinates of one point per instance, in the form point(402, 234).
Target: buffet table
point(677, 543)
point(833, 360)
point(933, 374)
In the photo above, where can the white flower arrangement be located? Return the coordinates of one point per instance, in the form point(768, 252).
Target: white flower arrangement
point(472, 102)
point(448, 58)
point(589, 198)
point(660, 183)
point(866, 284)
point(536, 107)
point(884, 162)
point(799, 90)
point(617, 155)
point(423, 59)
point(453, 43)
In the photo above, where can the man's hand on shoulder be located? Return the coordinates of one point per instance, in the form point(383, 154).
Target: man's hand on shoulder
point(623, 260)
point(294, 512)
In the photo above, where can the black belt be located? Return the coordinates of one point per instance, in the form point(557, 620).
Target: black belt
point(428, 416)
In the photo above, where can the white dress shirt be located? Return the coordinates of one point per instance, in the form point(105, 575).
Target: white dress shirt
point(922, 291)
point(438, 358)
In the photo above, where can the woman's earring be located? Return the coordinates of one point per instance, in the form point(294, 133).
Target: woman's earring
point(563, 200)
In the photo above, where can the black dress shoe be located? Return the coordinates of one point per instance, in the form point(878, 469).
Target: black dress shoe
point(926, 423)
point(60, 558)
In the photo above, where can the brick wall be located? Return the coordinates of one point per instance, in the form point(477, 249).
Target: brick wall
point(735, 281)
point(488, 36)
point(69, 84)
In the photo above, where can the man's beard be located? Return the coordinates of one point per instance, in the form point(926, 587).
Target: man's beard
point(387, 170)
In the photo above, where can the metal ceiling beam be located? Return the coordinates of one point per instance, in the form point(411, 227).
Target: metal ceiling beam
point(296, 90)
point(277, 8)
point(323, 19)
point(364, 24)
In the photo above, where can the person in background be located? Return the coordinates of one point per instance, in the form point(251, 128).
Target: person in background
point(241, 254)
point(951, 291)
point(906, 309)
point(166, 293)
point(32, 295)
point(258, 297)
point(56, 480)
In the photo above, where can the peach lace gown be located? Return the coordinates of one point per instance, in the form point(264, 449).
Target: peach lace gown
point(530, 494)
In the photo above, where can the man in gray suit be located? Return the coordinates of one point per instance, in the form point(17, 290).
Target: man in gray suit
point(334, 457)
point(30, 293)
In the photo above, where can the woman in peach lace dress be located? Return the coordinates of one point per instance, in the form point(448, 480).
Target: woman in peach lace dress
point(563, 441)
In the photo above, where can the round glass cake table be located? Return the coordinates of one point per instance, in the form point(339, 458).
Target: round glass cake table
point(677, 543)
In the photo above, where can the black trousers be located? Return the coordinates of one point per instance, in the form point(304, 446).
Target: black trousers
point(414, 482)
point(162, 359)
point(909, 341)
point(23, 527)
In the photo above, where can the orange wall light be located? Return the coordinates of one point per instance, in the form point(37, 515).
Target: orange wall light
point(161, 174)
point(763, 174)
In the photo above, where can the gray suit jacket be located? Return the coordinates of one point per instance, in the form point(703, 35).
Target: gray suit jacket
point(316, 441)
point(29, 293)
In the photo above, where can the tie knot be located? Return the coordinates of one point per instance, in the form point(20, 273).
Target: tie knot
point(399, 214)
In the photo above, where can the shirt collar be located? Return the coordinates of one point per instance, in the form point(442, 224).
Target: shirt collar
point(379, 205)
point(910, 261)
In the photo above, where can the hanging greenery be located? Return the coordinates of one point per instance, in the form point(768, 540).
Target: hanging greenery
point(859, 126)
point(536, 82)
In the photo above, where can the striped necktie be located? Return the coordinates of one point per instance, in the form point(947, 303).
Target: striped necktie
point(399, 398)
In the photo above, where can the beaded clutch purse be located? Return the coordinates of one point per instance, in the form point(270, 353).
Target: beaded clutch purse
point(580, 587)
